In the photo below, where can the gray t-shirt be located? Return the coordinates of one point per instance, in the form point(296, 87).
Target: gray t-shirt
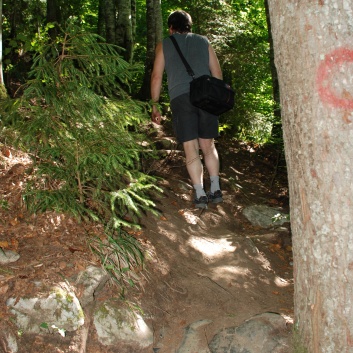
point(195, 49)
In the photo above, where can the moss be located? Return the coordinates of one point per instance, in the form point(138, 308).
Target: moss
point(3, 93)
point(297, 343)
point(102, 311)
point(69, 298)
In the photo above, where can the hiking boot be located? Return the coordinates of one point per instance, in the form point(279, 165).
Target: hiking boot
point(201, 202)
point(215, 197)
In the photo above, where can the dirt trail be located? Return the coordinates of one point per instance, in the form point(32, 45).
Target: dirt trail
point(213, 265)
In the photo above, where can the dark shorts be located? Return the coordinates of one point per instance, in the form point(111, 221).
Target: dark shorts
point(190, 122)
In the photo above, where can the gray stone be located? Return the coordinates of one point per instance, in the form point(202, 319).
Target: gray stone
point(192, 340)
point(92, 279)
point(9, 341)
point(60, 308)
point(264, 216)
point(184, 187)
point(116, 325)
point(8, 256)
point(265, 333)
point(165, 144)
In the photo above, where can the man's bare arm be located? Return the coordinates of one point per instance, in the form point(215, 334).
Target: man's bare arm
point(156, 82)
point(215, 68)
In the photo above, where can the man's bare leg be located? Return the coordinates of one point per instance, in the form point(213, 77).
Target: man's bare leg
point(194, 166)
point(212, 164)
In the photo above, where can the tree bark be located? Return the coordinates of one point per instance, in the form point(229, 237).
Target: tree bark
point(277, 127)
point(133, 19)
point(314, 59)
point(54, 16)
point(154, 36)
point(1, 67)
point(110, 18)
point(101, 18)
point(123, 32)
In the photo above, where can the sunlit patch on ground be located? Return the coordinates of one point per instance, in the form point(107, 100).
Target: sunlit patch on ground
point(212, 248)
point(189, 217)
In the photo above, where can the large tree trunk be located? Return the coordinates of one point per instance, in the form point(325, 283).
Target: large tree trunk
point(1, 67)
point(154, 36)
point(101, 18)
point(123, 33)
point(314, 58)
point(277, 127)
point(133, 19)
point(110, 18)
point(54, 16)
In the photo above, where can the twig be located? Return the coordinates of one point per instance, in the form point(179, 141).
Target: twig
point(201, 275)
point(175, 290)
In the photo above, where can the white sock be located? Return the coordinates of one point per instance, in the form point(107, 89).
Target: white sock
point(214, 183)
point(199, 190)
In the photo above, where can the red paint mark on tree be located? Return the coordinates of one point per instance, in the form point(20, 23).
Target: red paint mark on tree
point(333, 60)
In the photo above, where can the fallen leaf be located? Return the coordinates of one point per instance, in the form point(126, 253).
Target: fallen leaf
point(4, 289)
point(79, 267)
point(135, 233)
point(14, 244)
point(29, 235)
point(72, 249)
point(4, 244)
point(13, 221)
point(6, 152)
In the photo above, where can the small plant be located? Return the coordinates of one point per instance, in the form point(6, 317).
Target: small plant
point(3, 93)
point(298, 346)
point(121, 256)
point(53, 328)
point(4, 204)
point(280, 217)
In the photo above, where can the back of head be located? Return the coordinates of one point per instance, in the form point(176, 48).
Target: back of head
point(180, 21)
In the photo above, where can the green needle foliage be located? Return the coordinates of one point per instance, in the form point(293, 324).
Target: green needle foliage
point(119, 255)
point(83, 132)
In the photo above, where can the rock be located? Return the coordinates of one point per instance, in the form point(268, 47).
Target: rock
point(165, 144)
point(192, 340)
point(116, 325)
point(9, 341)
point(183, 186)
point(264, 216)
point(60, 308)
point(92, 279)
point(265, 333)
point(8, 256)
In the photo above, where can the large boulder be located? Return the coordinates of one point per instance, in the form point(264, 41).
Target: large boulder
point(60, 308)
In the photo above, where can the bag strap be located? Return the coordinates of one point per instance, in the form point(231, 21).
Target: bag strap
point(187, 66)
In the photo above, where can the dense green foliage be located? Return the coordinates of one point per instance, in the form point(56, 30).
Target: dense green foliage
point(73, 120)
point(82, 131)
point(237, 30)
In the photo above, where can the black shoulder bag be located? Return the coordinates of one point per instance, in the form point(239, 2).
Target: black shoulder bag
point(207, 92)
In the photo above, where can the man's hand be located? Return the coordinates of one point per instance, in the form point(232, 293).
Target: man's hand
point(156, 115)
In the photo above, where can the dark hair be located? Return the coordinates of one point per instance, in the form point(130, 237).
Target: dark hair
point(180, 21)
